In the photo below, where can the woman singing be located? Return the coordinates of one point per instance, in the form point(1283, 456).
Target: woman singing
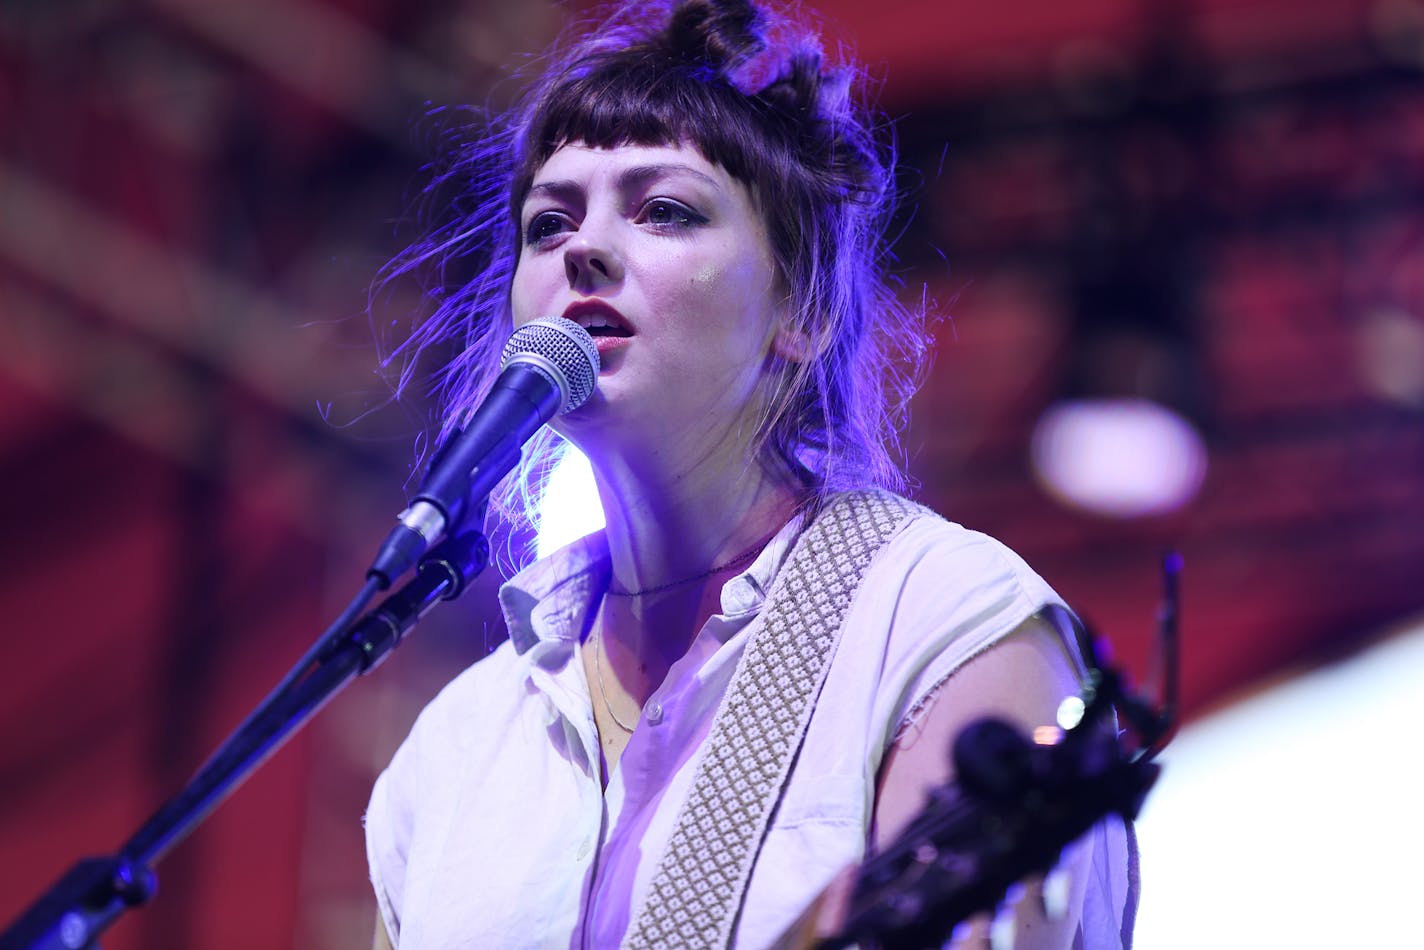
point(691, 185)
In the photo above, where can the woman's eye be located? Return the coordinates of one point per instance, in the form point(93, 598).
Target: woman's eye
point(663, 212)
point(543, 226)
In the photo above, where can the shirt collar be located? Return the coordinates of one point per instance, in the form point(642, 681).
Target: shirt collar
point(544, 600)
point(745, 593)
point(551, 598)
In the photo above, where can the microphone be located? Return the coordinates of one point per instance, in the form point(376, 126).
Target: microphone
point(549, 367)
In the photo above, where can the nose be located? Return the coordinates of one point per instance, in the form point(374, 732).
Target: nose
point(591, 261)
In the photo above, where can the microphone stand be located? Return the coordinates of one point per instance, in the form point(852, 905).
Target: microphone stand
point(95, 892)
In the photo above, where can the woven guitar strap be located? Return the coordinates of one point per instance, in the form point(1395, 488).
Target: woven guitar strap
point(696, 894)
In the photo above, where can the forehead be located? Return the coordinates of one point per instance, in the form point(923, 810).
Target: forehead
point(583, 163)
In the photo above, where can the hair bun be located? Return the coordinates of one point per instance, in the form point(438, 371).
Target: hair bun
point(797, 89)
point(721, 34)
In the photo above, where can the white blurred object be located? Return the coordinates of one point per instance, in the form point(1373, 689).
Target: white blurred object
point(1292, 818)
point(1389, 350)
point(569, 507)
point(1124, 458)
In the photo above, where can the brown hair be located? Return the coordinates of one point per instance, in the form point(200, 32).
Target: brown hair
point(751, 93)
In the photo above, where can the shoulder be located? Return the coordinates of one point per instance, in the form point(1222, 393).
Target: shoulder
point(417, 786)
point(936, 596)
point(926, 540)
point(474, 695)
point(441, 741)
point(947, 569)
point(437, 746)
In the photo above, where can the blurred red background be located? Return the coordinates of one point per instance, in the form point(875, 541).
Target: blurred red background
point(199, 456)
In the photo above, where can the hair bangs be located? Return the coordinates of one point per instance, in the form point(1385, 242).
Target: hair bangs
point(653, 103)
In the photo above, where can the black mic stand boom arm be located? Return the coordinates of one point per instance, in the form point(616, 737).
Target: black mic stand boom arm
point(95, 892)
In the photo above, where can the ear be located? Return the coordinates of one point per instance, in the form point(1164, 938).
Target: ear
point(792, 343)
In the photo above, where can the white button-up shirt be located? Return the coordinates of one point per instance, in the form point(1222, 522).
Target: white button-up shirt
point(491, 827)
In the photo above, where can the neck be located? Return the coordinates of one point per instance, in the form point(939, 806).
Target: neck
point(671, 529)
point(677, 501)
point(677, 498)
point(664, 542)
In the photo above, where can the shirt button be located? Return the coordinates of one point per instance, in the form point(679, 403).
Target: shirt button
point(654, 712)
point(585, 848)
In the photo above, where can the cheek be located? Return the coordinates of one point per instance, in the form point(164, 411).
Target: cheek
point(741, 295)
point(707, 278)
point(730, 272)
point(523, 296)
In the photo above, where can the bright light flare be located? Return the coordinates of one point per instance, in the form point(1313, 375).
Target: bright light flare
point(1070, 712)
point(569, 507)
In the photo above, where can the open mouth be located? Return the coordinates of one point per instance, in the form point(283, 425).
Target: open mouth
point(606, 329)
point(599, 319)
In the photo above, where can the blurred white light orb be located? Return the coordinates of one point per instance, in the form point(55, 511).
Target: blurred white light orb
point(1389, 349)
point(1123, 458)
point(569, 507)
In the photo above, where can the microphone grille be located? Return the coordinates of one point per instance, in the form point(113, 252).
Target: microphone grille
point(561, 348)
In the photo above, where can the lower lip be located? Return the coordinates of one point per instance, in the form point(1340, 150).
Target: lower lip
point(609, 344)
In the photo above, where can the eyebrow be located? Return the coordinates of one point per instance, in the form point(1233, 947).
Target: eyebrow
point(631, 177)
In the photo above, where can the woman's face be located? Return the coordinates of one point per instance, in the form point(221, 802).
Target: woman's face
point(664, 258)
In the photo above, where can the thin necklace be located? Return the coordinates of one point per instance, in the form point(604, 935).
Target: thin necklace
point(737, 561)
point(602, 691)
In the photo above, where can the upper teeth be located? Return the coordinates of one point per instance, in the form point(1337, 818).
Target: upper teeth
point(596, 320)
